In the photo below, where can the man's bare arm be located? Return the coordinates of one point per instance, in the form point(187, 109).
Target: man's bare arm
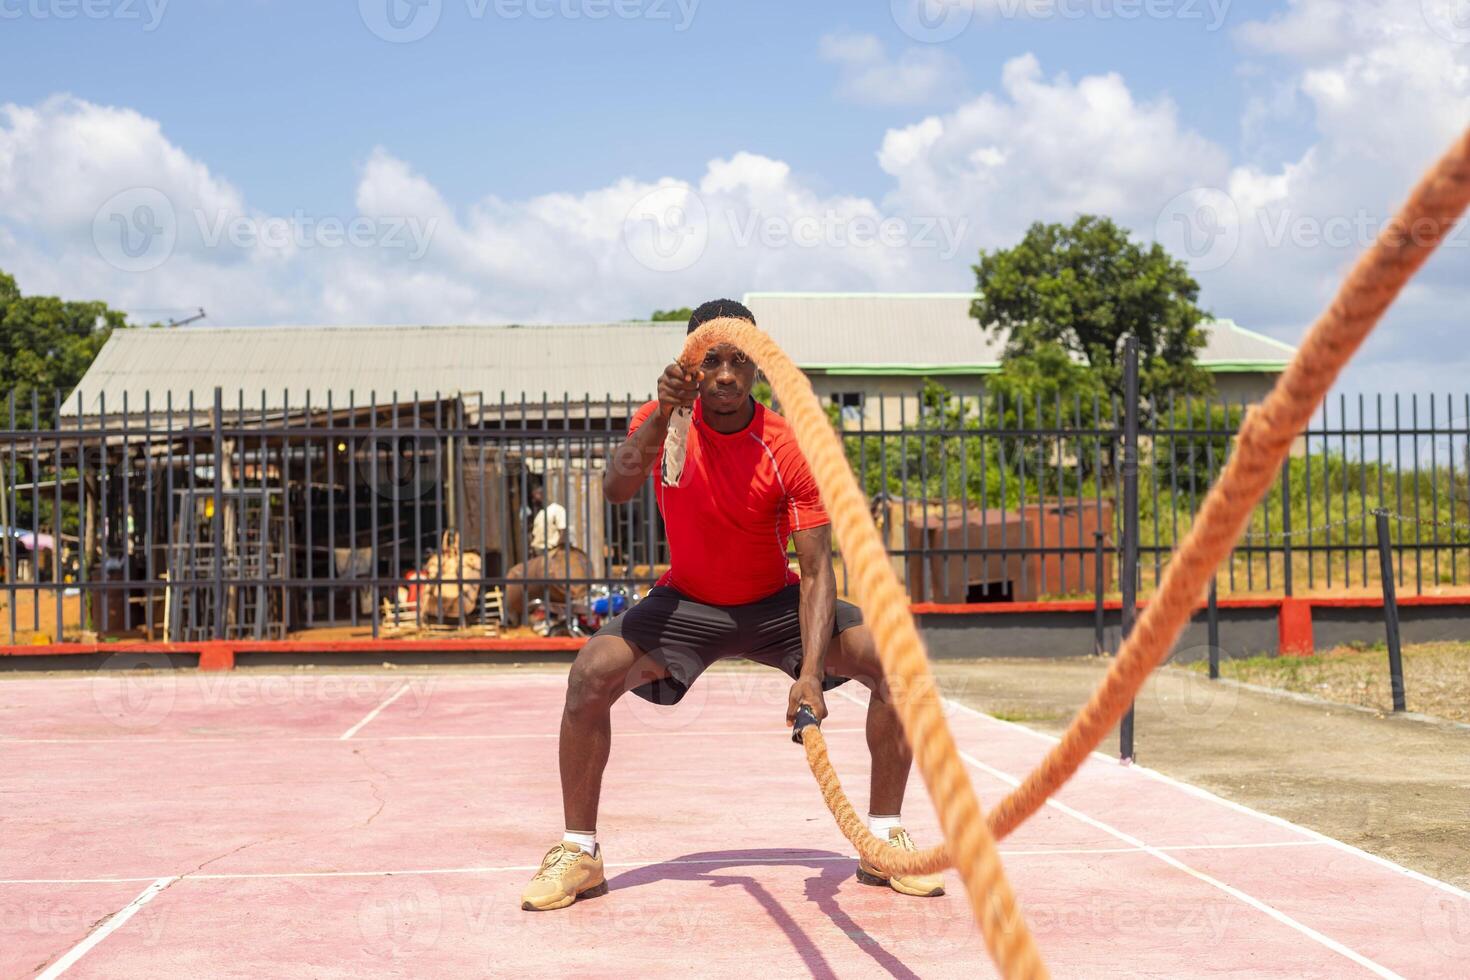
point(630, 462)
point(817, 612)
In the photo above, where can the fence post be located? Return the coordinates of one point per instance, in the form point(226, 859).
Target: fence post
point(1390, 611)
point(1212, 621)
point(217, 521)
point(1100, 645)
point(1286, 529)
point(1129, 583)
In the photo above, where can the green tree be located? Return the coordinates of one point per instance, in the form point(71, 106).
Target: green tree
point(1086, 287)
point(46, 345)
point(682, 314)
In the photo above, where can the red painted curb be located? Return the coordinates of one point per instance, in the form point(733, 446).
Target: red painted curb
point(1294, 628)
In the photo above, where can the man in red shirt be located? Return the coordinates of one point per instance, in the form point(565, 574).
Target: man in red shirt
point(744, 492)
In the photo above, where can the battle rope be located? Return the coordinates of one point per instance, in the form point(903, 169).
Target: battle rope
point(1263, 442)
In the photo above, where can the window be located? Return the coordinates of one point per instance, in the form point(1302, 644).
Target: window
point(851, 403)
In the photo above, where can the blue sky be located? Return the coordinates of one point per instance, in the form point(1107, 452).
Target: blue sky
point(287, 98)
point(521, 138)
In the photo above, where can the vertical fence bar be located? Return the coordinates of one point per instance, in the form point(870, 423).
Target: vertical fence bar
point(1286, 570)
point(1434, 481)
point(1099, 635)
point(1390, 612)
point(217, 520)
point(7, 508)
point(1417, 491)
point(1130, 519)
point(375, 498)
point(58, 580)
point(1212, 624)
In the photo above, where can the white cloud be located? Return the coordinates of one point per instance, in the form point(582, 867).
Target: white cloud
point(869, 77)
point(1044, 150)
point(1363, 93)
point(1384, 95)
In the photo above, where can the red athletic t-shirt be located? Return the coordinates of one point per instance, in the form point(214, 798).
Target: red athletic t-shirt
point(738, 500)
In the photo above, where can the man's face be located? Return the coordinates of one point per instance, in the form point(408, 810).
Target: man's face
point(728, 378)
point(537, 495)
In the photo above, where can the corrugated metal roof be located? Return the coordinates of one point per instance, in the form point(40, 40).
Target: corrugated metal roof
point(915, 333)
point(835, 333)
point(362, 363)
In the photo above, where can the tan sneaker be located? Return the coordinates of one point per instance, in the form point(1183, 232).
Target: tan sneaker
point(921, 886)
point(567, 874)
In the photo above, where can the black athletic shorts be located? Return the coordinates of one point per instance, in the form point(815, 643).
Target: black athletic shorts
point(685, 636)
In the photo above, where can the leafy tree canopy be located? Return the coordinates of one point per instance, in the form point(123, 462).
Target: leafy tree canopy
point(683, 314)
point(47, 344)
point(1082, 289)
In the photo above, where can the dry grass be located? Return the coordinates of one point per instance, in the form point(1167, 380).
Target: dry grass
point(1436, 677)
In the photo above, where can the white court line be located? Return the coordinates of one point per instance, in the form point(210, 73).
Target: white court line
point(245, 739)
point(1204, 794)
point(97, 935)
point(1174, 862)
point(1236, 893)
point(1017, 853)
point(374, 713)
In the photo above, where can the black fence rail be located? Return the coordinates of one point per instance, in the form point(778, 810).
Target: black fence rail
point(268, 515)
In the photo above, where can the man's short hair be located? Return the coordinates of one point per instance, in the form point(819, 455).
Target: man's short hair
point(717, 308)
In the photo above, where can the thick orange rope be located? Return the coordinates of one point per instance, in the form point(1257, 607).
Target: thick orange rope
point(1264, 440)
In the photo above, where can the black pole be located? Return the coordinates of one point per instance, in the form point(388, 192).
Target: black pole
point(1129, 583)
point(1099, 638)
point(1213, 624)
point(1286, 577)
point(1390, 612)
point(217, 520)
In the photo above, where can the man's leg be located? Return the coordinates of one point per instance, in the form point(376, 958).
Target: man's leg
point(606, 668)
point(854, 654)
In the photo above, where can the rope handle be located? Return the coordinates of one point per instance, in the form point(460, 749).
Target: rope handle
point(804, 716)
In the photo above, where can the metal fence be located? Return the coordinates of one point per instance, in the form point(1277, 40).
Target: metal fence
point(260, 517)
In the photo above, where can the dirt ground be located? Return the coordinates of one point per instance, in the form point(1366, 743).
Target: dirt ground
point(1394, 786)
point(1436, 677)
point(35, 616)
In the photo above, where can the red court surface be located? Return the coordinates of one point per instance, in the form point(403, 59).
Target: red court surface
point(359, 825)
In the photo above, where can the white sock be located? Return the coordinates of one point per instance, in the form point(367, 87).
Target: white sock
point(880, 826)
point(586, 840)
